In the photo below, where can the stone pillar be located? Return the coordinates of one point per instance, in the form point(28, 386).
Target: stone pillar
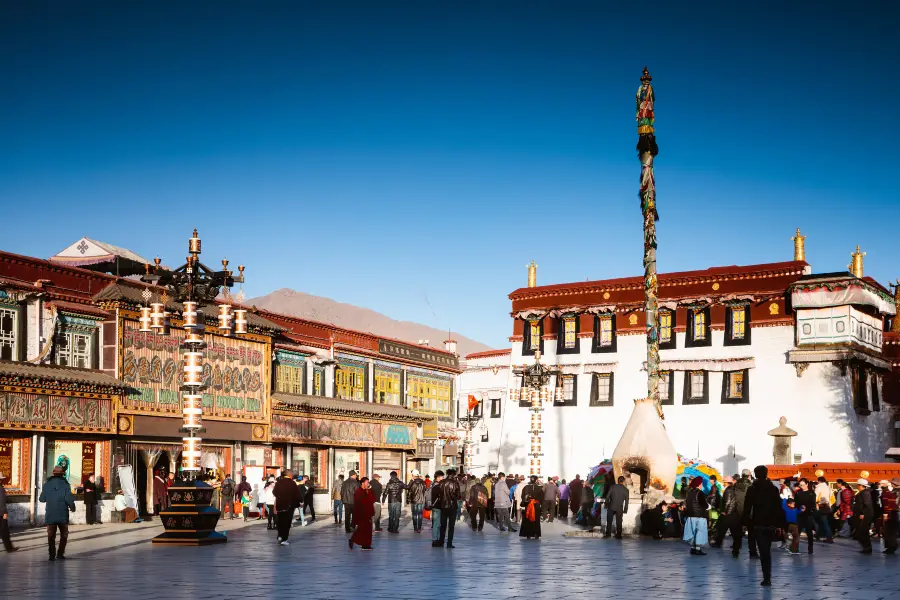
point(149, 459)
point(370, 463)
point(781, 447)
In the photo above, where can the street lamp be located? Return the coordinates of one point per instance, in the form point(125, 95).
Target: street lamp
point(535, 379)
point(470, 421)
point(190, 518)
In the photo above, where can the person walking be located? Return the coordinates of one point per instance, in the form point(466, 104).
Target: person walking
point(729, 519)
point(518, 506)
point(805, 500)
point(449, 496)
point(824, 500)
point(4, 520)
point(532, 496)
point(845, 509)
point(563, 500)
point(763, 511)
point(415, 495)
point(226, 497)
point(303, 490)
point(268, 500)
point(287, 498)
point(160, 497)
point(502, 503)
point(393, 492)
point(741, 487)
point(364, 510)
point(551, 496)
point(478, 503)
point(434, 495)
point(891, 514)
point(377, 490)
point(309, 498)
point(91, 500)
point(348, 493)
point(575, 494)
point(336, 504)
point(863, 513)
point(57, 495)
point(616, 506)
point(696, 511)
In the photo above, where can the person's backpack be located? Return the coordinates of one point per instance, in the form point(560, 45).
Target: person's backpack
point(482, 499)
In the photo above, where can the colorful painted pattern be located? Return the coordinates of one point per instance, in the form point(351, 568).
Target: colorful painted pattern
point(37, 411)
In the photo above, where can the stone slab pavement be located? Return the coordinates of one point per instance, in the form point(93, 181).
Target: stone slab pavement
point(118, 561)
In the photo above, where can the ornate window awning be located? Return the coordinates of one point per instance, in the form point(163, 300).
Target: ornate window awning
point(838, 290)
point(836, 355)
point(716, 365)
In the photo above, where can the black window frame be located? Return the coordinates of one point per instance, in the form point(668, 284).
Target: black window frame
point(596, 348)
point(859, 390)
point(561, 335)
point(670, 345)
point(574, 400)
point(686, 398)
point(729, 326)
point(595, 390)
point(875, 402)
point(689, 341)
point(527, 350)
point(479, 409)
point(671, 400)
point(496, 408)
point(726, 387)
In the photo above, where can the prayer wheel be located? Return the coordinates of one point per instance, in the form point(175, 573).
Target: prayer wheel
point(146, 320)
point(190, 454)
point(157, 315)
point(240, 321)
point(194, 244)
point(166, 323)
point(192, 318)
point(192, 411)
point(193, 369)
point(226, 319)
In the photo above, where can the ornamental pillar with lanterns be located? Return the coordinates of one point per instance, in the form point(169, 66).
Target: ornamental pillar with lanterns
point(535, 380)
point(190, 518)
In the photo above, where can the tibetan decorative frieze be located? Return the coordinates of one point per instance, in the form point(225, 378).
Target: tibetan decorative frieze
point(365, 434)
point(235, 375)
point(422, 355)
point(56, 413)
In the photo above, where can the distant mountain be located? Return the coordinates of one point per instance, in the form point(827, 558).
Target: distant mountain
point(315, 308)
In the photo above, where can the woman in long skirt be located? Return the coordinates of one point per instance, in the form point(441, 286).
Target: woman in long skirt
point(531, 510)
point(363, 511)
point(696, 509)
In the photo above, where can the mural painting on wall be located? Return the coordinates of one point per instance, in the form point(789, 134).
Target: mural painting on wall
point(352, 433)
point(37, 410)
point(234, 373)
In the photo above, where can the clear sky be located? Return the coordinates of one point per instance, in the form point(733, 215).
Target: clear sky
point(412, 157)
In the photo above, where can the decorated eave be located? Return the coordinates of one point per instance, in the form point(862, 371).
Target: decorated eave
point(840, 289)
point(100, 256)
point(26, 375)
point(717, 284)
point(488, 354)
point(301, 404)
point(122, 295)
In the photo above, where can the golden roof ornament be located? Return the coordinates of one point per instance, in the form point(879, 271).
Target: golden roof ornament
point(799, 246)
point(532, 275)
point(895, 323)
point(856, 263)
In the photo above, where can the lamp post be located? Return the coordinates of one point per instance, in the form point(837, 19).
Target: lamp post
point(470, 421)
point(535, 379)
point(190, 519)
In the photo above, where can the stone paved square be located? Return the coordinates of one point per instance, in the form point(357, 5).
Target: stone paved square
point(119, 561)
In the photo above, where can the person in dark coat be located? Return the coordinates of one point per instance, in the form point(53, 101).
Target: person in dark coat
point(4, 519)
point(287, 499)
point(57, 495)
point(864, 513)
point(91, 500)
point(160, 495)
point(764, 512)
point(348, 496)
point(532, 496)
point(616, 506)
point(653, 521)
point(364, 509)
point(575, 494)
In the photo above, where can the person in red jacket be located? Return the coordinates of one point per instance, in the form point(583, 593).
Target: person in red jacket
point(363, 511)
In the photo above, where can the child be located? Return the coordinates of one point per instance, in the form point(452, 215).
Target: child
point(790, 513)
point(245, 504)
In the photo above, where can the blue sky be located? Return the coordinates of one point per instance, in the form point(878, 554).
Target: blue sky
point(412, 157)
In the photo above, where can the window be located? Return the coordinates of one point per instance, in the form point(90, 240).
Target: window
point(9, 333)
point(318, 381)
point(696, 387)
point(666, 329)
point(428, 394)
point(860, 397)
point(605, 333)
point(876, 404)
point(667, 387)
point(290, 379)
point(73, 349)
point(567, 340)
point(566, 391)
point(602, 389)
point(478, 411)
point(736, 387)
point(737, 325)
point(698, 333)
point(534, 337)
point(495, 408)
point(350, 382)
point(387, 387)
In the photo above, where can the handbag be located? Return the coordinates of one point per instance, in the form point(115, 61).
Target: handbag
point(426, 513)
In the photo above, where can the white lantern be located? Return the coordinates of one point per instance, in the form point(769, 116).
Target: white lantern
point(226, 319)
point(146, 320)
point(190, 454)
point(193, 369)
point(192, 318)
point(157, 315)
point(192, 411)
point(240, 321)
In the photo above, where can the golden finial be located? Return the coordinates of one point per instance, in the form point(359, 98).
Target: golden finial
point(532, 275)
point(224, 264)
point(799, 246)
point(241, 270)
point(856, 263)
point(645, 78)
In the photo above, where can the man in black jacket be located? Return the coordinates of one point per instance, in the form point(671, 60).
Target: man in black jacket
point(616, 506)
point(763, 512)
point(415, 495)
point(449, 498)
point(4, 519)
point(393, 491)
point(347, 492)
point(806, 504)
point(287, 498)
point(730, 519)
point(863, 512)
point(377, 488)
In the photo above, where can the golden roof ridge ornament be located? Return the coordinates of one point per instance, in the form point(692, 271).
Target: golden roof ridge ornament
point(856, 263)
point(799, 246)
point(532, 275)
